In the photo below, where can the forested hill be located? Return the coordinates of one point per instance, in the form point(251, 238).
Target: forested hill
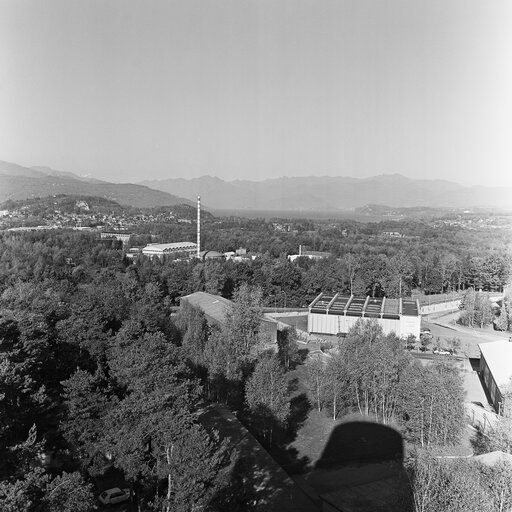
point(45, 207)
point(18, 182)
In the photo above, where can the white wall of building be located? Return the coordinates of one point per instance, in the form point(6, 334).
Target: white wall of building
point(334, 324)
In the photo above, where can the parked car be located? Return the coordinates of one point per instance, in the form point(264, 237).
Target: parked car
point(114, 495)
point(442, 352)
point(425, 333)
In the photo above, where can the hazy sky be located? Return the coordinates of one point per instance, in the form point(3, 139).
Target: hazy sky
point(129, 90)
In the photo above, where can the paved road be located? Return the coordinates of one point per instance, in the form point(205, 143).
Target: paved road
point(445, 327)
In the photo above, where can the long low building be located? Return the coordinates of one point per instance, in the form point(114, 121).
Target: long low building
point(161, 250)
point(216, 308)
point(337, 314)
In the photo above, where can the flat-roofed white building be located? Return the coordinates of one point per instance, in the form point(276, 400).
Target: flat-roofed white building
point(161, 250)
point(496, 370)
point(335, 314)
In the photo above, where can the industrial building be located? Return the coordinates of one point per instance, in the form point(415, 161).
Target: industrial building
point(312, 255)
point(496, 370)
point(337, 314)
point(215, 309)
point(211, 255)
point(161, 250)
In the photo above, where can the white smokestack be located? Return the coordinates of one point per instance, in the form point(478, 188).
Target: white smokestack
point(198, 225)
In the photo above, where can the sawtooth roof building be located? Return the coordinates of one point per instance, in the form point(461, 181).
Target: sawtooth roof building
point(336, 314)
point(496, 370)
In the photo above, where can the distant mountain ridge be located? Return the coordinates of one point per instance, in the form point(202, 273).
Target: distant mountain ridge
point(307, 194)
point(333, 193)
point(18, 182)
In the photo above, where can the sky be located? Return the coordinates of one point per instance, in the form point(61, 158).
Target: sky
point(127, 90)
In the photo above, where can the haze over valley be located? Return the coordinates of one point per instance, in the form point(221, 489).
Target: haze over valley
point(292, 194)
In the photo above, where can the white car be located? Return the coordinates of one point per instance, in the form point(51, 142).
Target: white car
point(114, 495)
point(442, 352)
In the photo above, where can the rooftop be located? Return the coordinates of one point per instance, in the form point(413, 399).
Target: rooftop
point(370, 307)
point(214, 307)
point(498, 356)
point(170, 247)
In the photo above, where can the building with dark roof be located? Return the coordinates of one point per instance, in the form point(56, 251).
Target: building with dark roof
point(337, 314)
point(211, 255)
point(216, 308)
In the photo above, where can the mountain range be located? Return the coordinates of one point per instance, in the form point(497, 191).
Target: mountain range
point(333, 193)
point(18, 182)
point(307, 194)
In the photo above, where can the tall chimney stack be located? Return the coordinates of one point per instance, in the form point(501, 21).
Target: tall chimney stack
point(198, 226)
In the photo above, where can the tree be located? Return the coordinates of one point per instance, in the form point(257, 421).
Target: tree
point(454, 344)
point(353, 265)
point(483, 310)
point(152, 433)
point(398, 274)
point(23, 396)
point(69, 493)
point(86, 400)
point(431, 403)
point(153, 436)
point(504, 320)
point(446, 486)
point(231, 352)
point(316, 379)
point(476, 309)
point(37, 492)
point(425, 341)
point(267, 394)
point(287, 345)
point(335, 384)
point(467, 307)
point(446, 266)
point(497, 478)
point(194, 328)
point(374, 364)
point(242, 327)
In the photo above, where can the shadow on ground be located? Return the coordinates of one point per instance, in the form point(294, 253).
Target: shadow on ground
point(361, 441)
point(361, 468)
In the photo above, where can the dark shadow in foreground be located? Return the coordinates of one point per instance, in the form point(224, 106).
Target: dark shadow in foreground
point(361, 468)
point(361, 441)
